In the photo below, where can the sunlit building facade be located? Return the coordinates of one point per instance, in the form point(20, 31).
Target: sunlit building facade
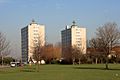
point(30, 35)
point(73, 36)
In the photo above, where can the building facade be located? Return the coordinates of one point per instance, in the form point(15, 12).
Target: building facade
point(31, 35)
point(73, 36)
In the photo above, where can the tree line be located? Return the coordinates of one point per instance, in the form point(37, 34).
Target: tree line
point(106, 39)
point(102, 48)
point(4, 50)
point(49, 52)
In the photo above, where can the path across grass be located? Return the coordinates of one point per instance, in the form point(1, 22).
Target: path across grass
point(62, 72)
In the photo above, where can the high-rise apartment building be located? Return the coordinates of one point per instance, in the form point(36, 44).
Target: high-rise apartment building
point(30, 35)
point(73, 36)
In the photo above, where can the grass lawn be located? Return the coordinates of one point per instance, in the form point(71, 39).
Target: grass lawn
point(62, 72)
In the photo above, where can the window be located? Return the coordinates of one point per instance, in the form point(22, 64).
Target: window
point(35, 41)
point(77, 32)
point(79, 44)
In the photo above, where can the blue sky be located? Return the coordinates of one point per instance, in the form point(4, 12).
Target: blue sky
point(55, 14)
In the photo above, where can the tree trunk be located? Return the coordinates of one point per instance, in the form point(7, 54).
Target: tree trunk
point(96, 60)
point(101, 61)
point(2, 61)
point(73, 61)
point(37, 67)
point(106, 64)
point(79, 61)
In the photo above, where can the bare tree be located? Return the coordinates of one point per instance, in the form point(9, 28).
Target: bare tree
point(94, 43)
point(38, 50)
point(67, 54)
point(57, 51)
point(108, 36)
point(48, 54)
point(77, 53)
point(52, 52)
point(96, 49)
point(80, 54)
point(74, 54)
point(4, 46)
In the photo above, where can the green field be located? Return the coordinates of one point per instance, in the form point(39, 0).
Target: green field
point(62, 72)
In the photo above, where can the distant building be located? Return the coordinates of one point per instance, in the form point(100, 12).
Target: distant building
point(73, 35)
point(29, 36)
